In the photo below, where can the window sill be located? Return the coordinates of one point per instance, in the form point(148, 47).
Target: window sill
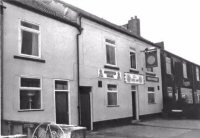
point(134, 71)
point(30, 110)
point(111, 67)
point(112, 105)
point(151, 103)
point(30, 58)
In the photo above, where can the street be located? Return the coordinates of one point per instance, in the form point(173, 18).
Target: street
point(157, 128)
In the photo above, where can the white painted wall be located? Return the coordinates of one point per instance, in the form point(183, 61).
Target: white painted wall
point(93, 57)
point(58, 44)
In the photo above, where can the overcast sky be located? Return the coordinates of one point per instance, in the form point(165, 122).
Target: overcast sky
point(176, 22)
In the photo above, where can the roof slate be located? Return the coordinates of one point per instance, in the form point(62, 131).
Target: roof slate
point(38, 6)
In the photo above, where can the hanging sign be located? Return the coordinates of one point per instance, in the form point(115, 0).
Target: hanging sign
point(133, 78)
point(151, 58)
point(108, 74)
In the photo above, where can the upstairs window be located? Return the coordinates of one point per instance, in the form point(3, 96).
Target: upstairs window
point(29, 39)
point(168, 66)
point(112, 94)
point(110, 52)
point(133, 59)
point(185, 70)
point(30, 93)
point(197, 73)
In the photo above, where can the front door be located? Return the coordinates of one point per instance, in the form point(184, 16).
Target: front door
point(85, 107)
point(62, 116)
point(134, 105)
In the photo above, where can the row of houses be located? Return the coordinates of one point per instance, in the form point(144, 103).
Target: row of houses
point(62, 64)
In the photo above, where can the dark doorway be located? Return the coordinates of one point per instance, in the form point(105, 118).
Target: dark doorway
point(85, 110)
point(134, 104)
point(62, 112)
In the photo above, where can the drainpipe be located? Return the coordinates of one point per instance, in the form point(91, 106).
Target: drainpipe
point(1, 62)
point(78, 69)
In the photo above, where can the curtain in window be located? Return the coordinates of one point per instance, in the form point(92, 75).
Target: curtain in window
point(35, 44)
point(110, 55)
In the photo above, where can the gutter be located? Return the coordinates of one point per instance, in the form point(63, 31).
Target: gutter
point(78, 67)
point(1, 60)
point(117, 28)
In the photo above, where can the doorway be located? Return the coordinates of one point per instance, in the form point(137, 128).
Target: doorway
point(134, 107)
point(85, 108)
point(62, 111)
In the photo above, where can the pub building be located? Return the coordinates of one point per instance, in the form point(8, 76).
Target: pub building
point(64, 65)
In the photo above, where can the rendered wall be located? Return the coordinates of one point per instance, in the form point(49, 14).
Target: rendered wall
point(58, 49)
point(93, 57)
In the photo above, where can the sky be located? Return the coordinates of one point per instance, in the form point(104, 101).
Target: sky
point(176, 22)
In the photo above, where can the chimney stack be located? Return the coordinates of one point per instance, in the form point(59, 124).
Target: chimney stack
point(134, 26)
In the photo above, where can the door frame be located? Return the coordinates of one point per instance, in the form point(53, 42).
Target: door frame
point(69, 101)
point(91, 106)
point(136, 101)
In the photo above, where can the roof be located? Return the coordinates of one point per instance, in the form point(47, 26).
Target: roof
point(179, 57)
point(45, 10)
point(106, 23)
point(40, 8)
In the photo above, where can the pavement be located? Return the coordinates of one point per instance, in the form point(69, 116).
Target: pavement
point(156, 128)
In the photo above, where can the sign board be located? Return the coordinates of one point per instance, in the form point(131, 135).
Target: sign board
point(152, 78)
point(151, 58)
point(133, 78)
point(109, 74)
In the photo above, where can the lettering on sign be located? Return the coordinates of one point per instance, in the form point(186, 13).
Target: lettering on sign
point(152, 78)
point(133, 78)
point(102, 73)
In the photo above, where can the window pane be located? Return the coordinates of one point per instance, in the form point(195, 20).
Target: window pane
point(61, 85)
point(133, 60)
point(168, 65)
point(133, 87)
point(151, 89)
point(110, 55)
point(30, 82)
point(112, 98)
point(112, 87)
point(151, 98)
point(184, 70)
point(29, 43)
point(197, 73)
point(30, 99)
point(25, 24)
point(110, 41)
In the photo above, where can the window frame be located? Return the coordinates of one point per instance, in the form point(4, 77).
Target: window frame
point(115, 49)
point(133, 51)
point(185, 74)
point(149, 92)
point(63, 81)
point(108, 91)
point(34, 31)
point(31, 88)
point(197, 74)
point(168, 62)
